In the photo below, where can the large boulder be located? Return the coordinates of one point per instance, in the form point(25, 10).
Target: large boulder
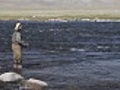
point(10, 77)
point(34, 84)
point(39, 82)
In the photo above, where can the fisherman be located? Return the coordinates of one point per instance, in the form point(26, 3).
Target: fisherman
point(17, 44)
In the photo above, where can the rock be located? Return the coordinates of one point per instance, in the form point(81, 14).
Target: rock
point(33, 84)
point(39, 82)
point(10, 77)
point(14, 80)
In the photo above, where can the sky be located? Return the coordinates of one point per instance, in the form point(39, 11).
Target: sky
point(59, 4)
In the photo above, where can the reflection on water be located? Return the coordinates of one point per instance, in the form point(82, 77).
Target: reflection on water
point(68, 56)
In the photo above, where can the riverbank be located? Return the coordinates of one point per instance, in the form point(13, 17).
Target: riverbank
point(59, 15)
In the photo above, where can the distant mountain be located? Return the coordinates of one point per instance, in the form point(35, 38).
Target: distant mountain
point(59, 4)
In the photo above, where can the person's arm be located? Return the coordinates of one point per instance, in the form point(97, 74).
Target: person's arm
point(19, 39)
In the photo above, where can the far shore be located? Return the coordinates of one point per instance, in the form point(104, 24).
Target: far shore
point(43, 15)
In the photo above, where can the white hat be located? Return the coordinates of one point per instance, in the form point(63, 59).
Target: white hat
point(17, 27)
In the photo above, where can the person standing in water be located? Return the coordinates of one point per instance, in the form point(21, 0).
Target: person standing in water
point(17, 45)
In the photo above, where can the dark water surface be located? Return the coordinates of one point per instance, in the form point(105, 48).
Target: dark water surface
point(68, 56)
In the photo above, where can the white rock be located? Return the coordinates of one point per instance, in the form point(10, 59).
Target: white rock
point(39, 82)
point(10, 77)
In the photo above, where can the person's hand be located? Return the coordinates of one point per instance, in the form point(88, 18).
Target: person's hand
point(25, 45)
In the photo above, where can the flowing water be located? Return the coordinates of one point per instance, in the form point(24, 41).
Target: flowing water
point(67, 55)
